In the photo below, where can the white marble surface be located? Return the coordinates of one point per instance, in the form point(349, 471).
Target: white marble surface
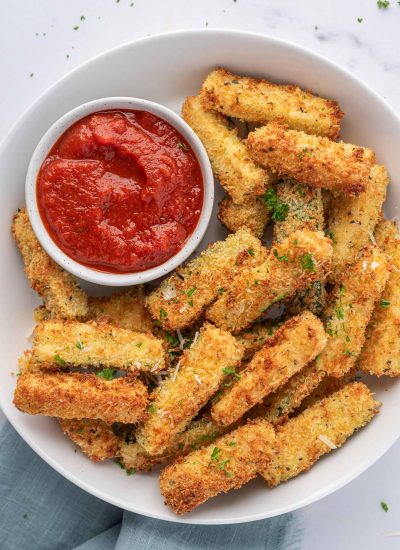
point(38, 38)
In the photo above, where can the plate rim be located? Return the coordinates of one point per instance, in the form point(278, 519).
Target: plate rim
point(326, 490)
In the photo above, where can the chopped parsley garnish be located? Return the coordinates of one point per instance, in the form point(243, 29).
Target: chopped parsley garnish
point(232, 443)
point(340, 313)
point(173, 340)
point(384, 506)
point(221, 290)
point(383, 4)
point(307, 263)
point(58, 360)
point(360, 19)
point(215, 453)
point(182, 145)
point(107, 374)
point(220, 464)
point(163, 314)
point(385, 303)
point(251, 251)
point(216, 397)
point(283, 257)
point(331, 235)
point(348, 353)
point(191, 291)
point(190, 302)
point(304, 151)
point(83, 18)
point(152, 408)
point(139, 344)
point(231, 371)
point(79, 344)
point(278, 209)
point(76, 28)
point(31, 75)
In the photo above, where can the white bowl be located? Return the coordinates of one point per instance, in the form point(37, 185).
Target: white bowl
point(165, 69)
point(45, 145)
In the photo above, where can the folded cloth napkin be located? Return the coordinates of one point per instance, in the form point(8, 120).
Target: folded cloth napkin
point(40, 510)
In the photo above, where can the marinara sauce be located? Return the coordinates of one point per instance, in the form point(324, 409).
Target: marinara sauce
point(120, 191)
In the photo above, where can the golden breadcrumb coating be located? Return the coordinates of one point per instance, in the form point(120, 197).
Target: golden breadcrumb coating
point(126, 310)
point(327, 424)
point(97, 345)
point(241, 178)
point(257, 335)
point(381, 353)
point(59, 290)
point(256, 100)
point(228, 463)
point(95, 438)
point(352, 305)
point(76, 395)
point(353, 219)
point(293, 346)
point(311, 160)
point(198, 434)
point(181, 298)
point(200, 372)
point(327, 385)
point(277, 406)
point(303, 209)
point(251, 215)
point(292, 265)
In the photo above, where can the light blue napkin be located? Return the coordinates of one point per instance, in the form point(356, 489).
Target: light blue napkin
point(40, 510)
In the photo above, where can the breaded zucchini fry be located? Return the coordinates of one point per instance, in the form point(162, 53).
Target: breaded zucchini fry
point(353, 219)
point(180, 299)
point(59, 290)
point(261, 101)
point(381, 353)
point(198, 434)
point(292, 265)
point(241, 178)
point(303, 209)
point(126, 310)
point(319, 429)
point(202, 369)
point(293, 346)
point(255, 337)
point(97, 345)
point(354, 299)
point(95, 438)
point(230, 462)
point(327, 385)
point(76, 395)
point(251, 215)
point(311, 160)
point(277, 406)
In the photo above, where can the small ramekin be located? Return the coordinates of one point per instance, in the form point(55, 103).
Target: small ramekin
point(46, 143)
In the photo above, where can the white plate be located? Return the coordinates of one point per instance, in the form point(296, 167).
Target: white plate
point(165, 69)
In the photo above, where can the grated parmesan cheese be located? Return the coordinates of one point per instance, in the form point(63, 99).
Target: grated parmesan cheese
point(196, 337)
point(29, 335)
point(168, 292)
point(181, 338)
point(364, 265)
point(374, 265)
point(183, 308)
point(327, 441)
point(175, 373)
point(371, 236)
point(197, 378)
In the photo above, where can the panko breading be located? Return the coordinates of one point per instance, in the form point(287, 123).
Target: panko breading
point(228, 463)
point(251, 215)
point(95, 438)
point(199, 374)
point(319, 429)
point(181, 298)
point(97, 345)
point(241, 178)
point(353, 219)
point(277, 406)
point(327, 385)
point(293, 346)
point(292, 265)
point(256, 100)
point(75, 395)
point(59, 289)
point(126, 310)
point(354, 299)
point(303, 209)
point(255, 337)
point(381, 353)
point(198, 434)
point(311, 160)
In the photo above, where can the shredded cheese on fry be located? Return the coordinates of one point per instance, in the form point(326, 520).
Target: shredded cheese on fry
point(181, 339)
point(327, 441)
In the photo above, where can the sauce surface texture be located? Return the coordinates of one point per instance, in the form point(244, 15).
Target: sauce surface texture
point(120, 191)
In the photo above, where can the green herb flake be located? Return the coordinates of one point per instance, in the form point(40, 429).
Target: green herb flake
point(307, 263)
point(59, 361)
point(360, 19)
point(384, 506)
point(190, 302)
point(232, 443)
point(79, 344)
point(130, 471)
point(221, 290)
point(278, 209)
point(83, 18)
point(383, 4)
point(216, 398)
point(76, 28)
point(163, 313)
point(251, 252)
point(231, 371)
point(191, 291)
point(331, 235)
point(215, 453)
point(31, 75)
point(182, 145)
point(340, 313)
point(282, 258)
point(25, 516)
point(152, 408)
point(172, 340)
point(107, 374)
point(139, 344)
point(385, 303)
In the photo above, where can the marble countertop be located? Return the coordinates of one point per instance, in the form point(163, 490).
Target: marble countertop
point(40, 43)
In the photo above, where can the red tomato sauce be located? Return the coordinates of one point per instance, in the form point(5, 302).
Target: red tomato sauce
point(120, 191)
